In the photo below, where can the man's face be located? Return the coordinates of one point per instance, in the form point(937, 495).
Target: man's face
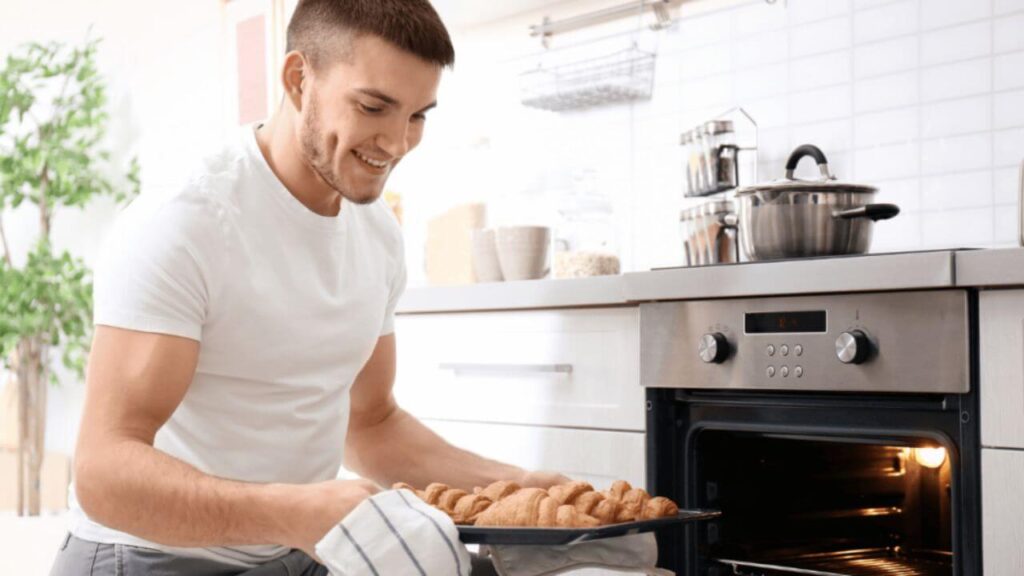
point(362, 115)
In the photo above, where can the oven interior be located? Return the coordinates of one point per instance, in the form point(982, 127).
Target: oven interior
point(796, 504)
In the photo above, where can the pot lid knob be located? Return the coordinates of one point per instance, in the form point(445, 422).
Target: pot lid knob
point(812, 151)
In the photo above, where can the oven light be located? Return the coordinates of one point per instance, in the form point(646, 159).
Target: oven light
point(930, 457)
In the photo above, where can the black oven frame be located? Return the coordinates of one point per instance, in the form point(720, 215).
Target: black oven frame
point(675, 417)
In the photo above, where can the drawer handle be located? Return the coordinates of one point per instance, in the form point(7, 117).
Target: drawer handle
point(506, 369)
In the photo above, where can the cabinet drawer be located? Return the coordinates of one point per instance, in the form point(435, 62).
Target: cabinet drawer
point(1001, 348)
point(1002, 476)
point(597, 456)
point(576, 368)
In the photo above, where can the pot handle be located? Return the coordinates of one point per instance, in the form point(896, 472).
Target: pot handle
point(873, 212)
point(812, 151)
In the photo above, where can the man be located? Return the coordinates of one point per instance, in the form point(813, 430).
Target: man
point(244, 327)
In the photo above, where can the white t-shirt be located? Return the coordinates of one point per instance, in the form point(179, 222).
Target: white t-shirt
point(287, 306)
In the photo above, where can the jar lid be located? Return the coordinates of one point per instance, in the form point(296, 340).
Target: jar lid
point(717, 126)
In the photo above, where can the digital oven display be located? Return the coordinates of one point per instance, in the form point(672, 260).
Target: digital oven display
point(785, 322)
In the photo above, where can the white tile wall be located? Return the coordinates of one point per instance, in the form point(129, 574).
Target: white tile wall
point(964, 190)
point(886, 57)
point(1008, 34)
point(887, 127)
point(766, 48)
point(884, 162)
point(820, 37)
point(763, 82)
point(803, 11)
point(1008, 6)
point(956, 154)
point(922, 98)
point(953, 117)
point(820, 104)
point(956, 43)
point(890, 20)
point(958, 228)
point(893, 91)
point(1005, 185)
point(1009, 147)
point(955, 80)
point(828, 135)
point(1009, 71)
point(819, 71)
point(938, 13)
point(1006, 225)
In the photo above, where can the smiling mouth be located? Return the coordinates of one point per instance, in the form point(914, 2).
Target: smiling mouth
point(378, 164)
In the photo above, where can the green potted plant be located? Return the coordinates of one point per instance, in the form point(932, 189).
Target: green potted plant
point(52, 124)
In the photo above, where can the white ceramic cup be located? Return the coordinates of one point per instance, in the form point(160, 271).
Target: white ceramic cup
point(523, 251)
point(485, 256)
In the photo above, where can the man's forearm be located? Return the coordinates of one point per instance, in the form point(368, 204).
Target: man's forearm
point(130, 486)
point(401, 449)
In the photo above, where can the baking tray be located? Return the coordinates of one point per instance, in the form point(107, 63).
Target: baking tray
point(561, 536)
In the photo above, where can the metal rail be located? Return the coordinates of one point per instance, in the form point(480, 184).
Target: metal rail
point(659, 7)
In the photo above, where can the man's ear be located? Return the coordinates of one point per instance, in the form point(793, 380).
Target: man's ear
point(293, 77)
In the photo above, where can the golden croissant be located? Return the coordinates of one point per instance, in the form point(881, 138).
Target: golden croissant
point(569, 505)
point(534, 507)
point(460, 505)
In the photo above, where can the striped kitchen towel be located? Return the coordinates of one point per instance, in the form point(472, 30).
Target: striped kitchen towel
point(391, 533)
point(631, 554)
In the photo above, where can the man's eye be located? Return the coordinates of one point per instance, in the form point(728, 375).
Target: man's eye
point(370, 109)
point(419, 117)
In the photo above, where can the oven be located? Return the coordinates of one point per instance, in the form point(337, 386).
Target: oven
point(838, 434)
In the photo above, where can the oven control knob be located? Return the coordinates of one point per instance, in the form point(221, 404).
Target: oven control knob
point(853, 347)
point(714, 348)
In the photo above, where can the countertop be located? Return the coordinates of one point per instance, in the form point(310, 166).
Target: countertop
point(990, 268)
point(875, 272)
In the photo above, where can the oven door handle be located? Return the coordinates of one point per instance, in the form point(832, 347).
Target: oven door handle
point(468, 368)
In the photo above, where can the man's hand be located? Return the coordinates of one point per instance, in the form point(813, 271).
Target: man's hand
point(541, 479)
point(324, 505)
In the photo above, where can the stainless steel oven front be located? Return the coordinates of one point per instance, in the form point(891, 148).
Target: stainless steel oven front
point(838, 434)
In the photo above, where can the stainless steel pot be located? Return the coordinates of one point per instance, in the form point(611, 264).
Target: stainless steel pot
point(792, 218)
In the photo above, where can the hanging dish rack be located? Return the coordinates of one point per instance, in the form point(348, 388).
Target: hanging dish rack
point(565, 81)
point(617, 77)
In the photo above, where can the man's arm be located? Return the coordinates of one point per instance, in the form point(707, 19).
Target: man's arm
point(135, 381)
point(387, 444)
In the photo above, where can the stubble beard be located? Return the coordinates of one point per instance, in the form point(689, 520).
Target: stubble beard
point(315, 150)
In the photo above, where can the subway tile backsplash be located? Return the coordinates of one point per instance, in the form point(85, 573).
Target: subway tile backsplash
point(886, 21)
point(939, 13)
point(922, 98)
point(957, 43)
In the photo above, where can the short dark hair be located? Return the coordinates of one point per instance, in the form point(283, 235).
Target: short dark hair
point(412, 25)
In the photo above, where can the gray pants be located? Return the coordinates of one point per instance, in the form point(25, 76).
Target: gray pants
point(79, 557)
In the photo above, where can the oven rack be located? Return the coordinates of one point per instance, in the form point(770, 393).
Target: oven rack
point(859, 562)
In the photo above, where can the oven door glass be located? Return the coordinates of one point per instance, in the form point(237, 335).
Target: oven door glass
point(794, 504)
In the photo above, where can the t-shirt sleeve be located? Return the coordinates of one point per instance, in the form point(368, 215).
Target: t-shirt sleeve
point(396, 290)
point(156, 271)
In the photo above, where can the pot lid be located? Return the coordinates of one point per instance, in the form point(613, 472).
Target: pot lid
point(789, 183)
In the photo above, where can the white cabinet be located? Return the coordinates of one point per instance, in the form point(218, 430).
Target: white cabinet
point(1002, 368)
point(575, 368)
point(555, 390)
point(1002, 474)
point(597, 456)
